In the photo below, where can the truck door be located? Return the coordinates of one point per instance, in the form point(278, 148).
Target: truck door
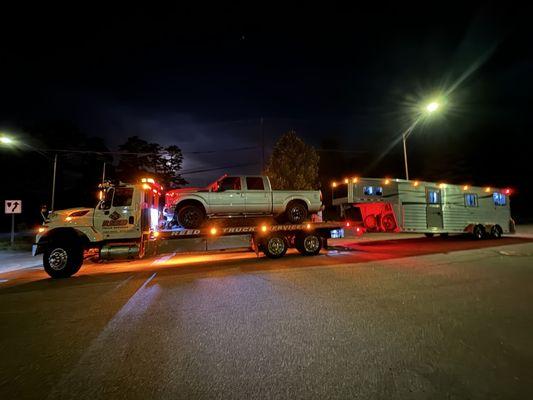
point(228, 198)
point(434, 208)
point(257, 199)
point(115, 215)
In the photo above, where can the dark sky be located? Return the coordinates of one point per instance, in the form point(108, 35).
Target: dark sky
point(348, 76)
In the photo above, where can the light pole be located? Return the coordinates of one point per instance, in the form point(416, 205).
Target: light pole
point(428, 109)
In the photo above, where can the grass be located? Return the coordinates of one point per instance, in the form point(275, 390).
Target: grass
point(21, 244)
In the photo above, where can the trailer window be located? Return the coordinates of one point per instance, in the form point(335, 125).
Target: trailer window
point(373, 191)
point(123, 197)
point(254, 183)
point(499, 199)
point(471, 200)
point(433, 196)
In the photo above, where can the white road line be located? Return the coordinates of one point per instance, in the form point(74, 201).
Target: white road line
point(161, 260)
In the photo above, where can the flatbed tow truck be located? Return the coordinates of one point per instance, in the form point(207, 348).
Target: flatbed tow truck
point(125, 224)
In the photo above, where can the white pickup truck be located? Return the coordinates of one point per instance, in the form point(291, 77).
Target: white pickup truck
point(239, 196)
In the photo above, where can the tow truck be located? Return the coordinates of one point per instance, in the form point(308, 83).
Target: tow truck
point(126, 224)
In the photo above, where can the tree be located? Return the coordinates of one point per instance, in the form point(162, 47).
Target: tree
point(143, 158)
point(293, 164)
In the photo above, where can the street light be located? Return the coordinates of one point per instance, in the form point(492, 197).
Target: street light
point(429, 108)
point(6, 140)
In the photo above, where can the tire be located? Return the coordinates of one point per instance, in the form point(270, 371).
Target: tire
point(429, 234)
point(371, 222)
point(190, 216)
point(275, 246)
point(309, 244)
point(388, 223)
point(62, 260)
point(296, 212)
point(496, 232)
point(478, 232)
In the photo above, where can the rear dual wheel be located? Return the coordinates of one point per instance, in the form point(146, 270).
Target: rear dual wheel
point(275, 246)
point(309, 244)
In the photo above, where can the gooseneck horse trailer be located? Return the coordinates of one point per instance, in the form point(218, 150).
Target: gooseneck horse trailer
point(397, 205)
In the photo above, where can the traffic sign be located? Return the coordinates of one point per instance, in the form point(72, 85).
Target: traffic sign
point(13, 207)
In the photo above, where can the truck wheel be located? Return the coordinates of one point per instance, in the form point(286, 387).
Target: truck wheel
point(296, 212)
point(275, 246)
point(496, 232)
point(478, 232)
point(309, 244)
point(191, 217)
point(62, 261)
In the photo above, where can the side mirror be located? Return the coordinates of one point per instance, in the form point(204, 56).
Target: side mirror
point(44, 211)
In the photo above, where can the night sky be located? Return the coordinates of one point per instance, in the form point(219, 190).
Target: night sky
point(346, 79)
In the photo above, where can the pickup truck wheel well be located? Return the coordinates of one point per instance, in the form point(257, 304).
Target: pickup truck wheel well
point(184, 203)
point(297, 201)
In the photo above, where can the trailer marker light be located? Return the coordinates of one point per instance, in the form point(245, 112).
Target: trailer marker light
point(441, 185)
point(333, 184)
point(263, 228)
point(348, 224)
point(507, 191)
point(308, 226)
point(213, 231)
point(346, 180)
point(487, 189)
point(156, 234)
point(466, 187)
point(416, 183)
point(387, 181)
point(354, 180)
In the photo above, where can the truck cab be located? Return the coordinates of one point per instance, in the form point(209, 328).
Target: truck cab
point(114, 228)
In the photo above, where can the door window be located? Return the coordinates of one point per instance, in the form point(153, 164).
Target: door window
point(255, 183)
point(230, 183)
point(433, 196)
point(123, 197)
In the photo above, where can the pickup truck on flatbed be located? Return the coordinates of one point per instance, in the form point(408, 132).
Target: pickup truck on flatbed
point(239, 196)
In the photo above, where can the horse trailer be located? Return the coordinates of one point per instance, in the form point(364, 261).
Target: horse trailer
point(397, 205)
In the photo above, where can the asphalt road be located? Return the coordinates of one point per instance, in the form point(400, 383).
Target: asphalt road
point(396, 319)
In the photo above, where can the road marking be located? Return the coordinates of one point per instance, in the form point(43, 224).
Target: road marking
point(161, 260)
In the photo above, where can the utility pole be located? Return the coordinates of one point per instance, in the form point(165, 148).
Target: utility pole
point(262, 146)
point(54, 182)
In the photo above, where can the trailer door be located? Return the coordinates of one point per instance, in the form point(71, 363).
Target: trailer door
point(433, 208)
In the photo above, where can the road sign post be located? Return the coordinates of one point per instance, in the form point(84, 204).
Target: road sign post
point(13, 207)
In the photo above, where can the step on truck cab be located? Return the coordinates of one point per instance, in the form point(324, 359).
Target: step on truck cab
point(125, 224)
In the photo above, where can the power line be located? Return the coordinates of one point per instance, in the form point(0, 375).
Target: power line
point(198, 171)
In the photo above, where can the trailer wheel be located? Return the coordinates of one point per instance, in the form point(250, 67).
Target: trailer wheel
point(62, 260)
point(496, 232)
point(309, 244)
point(478, 232)
point(275, 246)
point(190, 216)
point(296, 212)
